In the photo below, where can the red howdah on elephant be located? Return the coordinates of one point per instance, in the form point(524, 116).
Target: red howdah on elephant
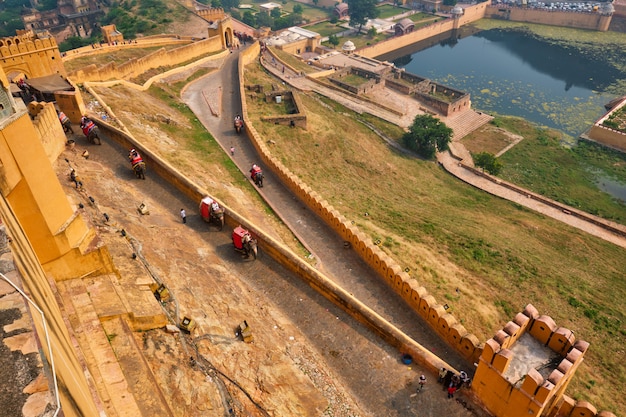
point(211, 212)
point(137, 163)
point(90, 130)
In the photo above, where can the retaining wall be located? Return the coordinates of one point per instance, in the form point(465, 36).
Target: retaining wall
point(135, 67)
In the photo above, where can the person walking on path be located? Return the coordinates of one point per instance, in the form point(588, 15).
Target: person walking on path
point(232, 151)
point(421, 383)
point(183, 215)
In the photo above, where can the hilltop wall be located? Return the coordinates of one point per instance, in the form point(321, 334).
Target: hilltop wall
point(160, 58)
point(31, 56)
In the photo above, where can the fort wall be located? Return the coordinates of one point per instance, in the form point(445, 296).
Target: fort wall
point(471, 14)
point(285, 256)
point(76, 396)
point(31, 56)
point(135, 67)
point(605, 135)
point(48, 128)
point(572, 19)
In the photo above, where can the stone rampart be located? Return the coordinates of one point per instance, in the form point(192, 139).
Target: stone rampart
point(49, 129)
point(138, 66)
point(471, 14)
point(32, 56)
point(613, 227)
point(448, 327)
point(565, 18)
point(284, 255)
point(604, 134)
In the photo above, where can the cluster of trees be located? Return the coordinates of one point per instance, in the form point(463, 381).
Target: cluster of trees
point(274, 19)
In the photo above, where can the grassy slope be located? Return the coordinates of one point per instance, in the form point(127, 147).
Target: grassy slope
point(500, 256)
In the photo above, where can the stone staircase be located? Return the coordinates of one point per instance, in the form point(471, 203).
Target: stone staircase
point(104, 311)
point(465, 123)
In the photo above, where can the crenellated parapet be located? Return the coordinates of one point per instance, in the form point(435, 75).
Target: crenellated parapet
point(526, 367)
point(31, 55)
point(211, 14)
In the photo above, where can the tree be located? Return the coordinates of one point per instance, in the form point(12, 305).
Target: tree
point(360, 11)
point(333, 40)
point(449, 2)
point(298, 9)
point(248, 18)
point(372, 32)
point(275, 13)
point(264, 19)
point(427, 135)
point(488, 162)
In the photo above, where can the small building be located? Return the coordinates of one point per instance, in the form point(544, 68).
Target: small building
point(341, 10)
point(111, 34)
point(404, 26)
point(295, 40)
point(348, 47)
point(268, 7)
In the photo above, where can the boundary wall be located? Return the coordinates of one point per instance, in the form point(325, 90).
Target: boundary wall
point(31, 56)
point(49, 129)
point(314, 278)
point(135, 67)
point(445, 324)
point(572, 19)
point(471, 14)
point(605, 135)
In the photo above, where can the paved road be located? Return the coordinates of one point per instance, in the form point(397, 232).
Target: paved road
point(342, 265)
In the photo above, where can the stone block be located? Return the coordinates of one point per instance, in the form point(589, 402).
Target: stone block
point(530, 311)
point(584, 409)
point(532, 382)
point(501, 360)
point(561, 340)
point(542, 328)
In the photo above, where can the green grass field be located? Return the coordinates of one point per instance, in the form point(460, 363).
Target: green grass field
point(499, 254)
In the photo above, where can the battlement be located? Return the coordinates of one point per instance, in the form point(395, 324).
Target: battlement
point(212, 14)
point(525, 367)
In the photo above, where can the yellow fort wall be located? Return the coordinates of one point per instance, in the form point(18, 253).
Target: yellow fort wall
point(48, 128)
point(55, 228)
point(582, 20)
point(31, 56)
point(138, 66)
point(76, 397)
point(471, 14)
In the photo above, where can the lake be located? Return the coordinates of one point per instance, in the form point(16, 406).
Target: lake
point(512, 73)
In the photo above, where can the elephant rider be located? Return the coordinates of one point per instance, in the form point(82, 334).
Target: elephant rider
point(215, 207)
point(254, 171)
point(62, 117)
point(134, 158)
point(87, 125)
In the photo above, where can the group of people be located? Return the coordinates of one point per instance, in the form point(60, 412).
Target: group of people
point(452, 382)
